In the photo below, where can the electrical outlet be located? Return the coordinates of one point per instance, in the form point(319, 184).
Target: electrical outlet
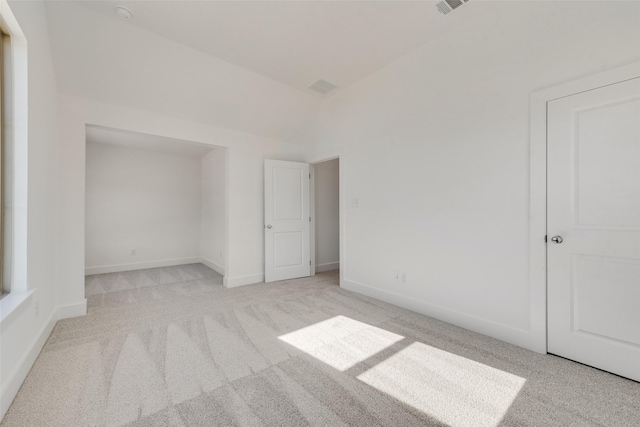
point(134, 252)
point(400, 276)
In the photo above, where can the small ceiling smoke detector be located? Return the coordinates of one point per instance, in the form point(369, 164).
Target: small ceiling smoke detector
point(123, 12)
point(322, 87)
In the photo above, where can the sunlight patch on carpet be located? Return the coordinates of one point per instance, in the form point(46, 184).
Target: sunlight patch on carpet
point(341, 342)
point(455, 390)
point(452, 389)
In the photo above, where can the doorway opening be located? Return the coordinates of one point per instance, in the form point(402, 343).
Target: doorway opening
point(326, 216)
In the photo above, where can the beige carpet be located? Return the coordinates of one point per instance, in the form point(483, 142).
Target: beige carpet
point(173, 347)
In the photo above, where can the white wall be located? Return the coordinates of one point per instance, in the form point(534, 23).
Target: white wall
point(24, 332)
point(435, 146)
point(142, 200)
point(213, 233)
point(90, 50)
point(327, 215)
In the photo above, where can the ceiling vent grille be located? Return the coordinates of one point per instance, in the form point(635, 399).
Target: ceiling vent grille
point(322, 87)
point(447, 6)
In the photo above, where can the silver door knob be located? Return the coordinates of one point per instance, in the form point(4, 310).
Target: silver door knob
point(557, 239)
point(268, 225)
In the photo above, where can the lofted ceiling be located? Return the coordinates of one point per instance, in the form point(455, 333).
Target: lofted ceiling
point(242, 65)
point(294, 42)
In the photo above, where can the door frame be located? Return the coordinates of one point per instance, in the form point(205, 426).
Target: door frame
point(538, 188)
point(314, 160)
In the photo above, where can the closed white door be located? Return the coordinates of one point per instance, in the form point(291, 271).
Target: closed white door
point(593, 225)
point(286, 220)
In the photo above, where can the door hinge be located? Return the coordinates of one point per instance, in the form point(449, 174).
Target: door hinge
point(309, 262)
point(545, 238)
point(309, 176)
point(309, 219)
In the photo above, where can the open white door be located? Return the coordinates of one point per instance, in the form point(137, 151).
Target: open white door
point(594, 228)
point(287, 228)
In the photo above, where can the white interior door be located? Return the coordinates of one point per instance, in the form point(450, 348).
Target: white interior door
point(594, 207)
point(287, 220)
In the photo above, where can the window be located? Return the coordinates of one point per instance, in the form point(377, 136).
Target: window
point(14, 151)
point(6, 283)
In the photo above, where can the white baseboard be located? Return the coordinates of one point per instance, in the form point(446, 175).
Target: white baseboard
point(15, 380)
point(519, 337)
point(232, 282)
point(140, 265)
point(329, 266)
point(72, 310)
point(212, 265)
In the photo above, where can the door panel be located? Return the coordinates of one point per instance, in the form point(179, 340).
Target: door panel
point(286, 218)
point(606, 297)
point(287, 193)
point(607, 140)
point(287, 248)
point(593, 199)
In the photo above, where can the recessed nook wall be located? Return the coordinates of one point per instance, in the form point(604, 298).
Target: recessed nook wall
point(142, 208)
point(213, 225)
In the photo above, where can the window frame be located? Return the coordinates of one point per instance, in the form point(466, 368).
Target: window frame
point(15, 123)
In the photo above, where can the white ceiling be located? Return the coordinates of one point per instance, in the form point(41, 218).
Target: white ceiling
point(143, 141)
point(241, 65)
point(294, 42)
point(113, 62)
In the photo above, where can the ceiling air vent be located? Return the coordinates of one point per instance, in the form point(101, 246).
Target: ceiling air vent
point(322, 87)
point(447, 6)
